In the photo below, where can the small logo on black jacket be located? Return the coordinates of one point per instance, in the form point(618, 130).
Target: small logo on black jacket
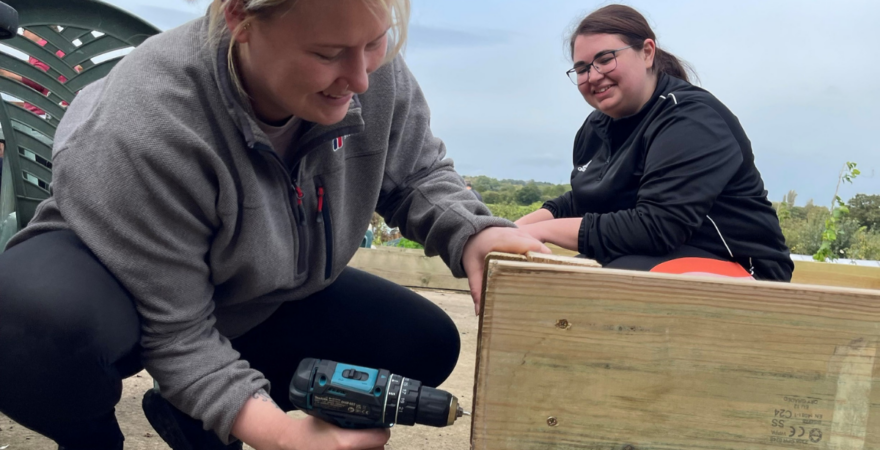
point(584, 167)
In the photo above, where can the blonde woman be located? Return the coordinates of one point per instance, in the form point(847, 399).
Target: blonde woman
point(207, 197)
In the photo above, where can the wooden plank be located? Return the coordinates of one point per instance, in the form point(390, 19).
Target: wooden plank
point(641, 361)
point(543, 258)
point(557, 250)
point(411, 268)
point(827, 274)
point(407, 267)
point(810, 272)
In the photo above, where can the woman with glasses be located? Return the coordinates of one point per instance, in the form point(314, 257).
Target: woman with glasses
point(207, 197)
point(664, 176)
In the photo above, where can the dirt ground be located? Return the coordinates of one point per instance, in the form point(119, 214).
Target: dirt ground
point(140, 436)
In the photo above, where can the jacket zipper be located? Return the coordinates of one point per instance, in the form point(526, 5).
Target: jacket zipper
point(302, 257)
point(298, 212)
point(323, 216)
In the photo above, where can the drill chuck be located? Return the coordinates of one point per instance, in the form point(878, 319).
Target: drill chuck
point(360, 397)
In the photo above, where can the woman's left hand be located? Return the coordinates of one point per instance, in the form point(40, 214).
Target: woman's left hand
point(535, 230)
point(561, 232)
point(494, 239)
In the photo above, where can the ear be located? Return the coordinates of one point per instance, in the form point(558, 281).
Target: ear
point(235, 15)
point(650, 51)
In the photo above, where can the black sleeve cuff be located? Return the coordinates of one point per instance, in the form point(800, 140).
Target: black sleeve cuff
point(549, 206)
point(582, 236)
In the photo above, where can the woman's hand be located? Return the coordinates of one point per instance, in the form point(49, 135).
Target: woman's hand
point(494, 239)
point(264, 426)
point(561, 232)
point(534, 217)
point(535, 230)
point(315, 434)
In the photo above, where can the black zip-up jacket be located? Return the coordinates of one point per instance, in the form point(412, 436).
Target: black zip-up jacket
point(680, 171)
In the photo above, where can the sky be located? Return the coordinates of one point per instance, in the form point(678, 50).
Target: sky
point(799, 74)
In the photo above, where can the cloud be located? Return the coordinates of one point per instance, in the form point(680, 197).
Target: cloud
point(543, 161)
point(424, 37)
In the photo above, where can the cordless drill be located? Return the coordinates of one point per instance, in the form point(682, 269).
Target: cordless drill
point(360, 397)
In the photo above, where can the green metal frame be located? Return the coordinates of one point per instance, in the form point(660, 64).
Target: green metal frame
point(27, 164)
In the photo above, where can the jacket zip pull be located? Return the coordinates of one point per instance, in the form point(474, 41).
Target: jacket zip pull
point(320, 215)
point(299, 202)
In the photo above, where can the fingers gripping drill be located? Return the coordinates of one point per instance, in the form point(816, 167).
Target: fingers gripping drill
point(360, 397)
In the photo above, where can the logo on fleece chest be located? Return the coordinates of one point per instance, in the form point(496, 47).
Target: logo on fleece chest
point(338, 142)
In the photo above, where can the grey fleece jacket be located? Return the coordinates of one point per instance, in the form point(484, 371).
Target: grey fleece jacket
point(162, 171)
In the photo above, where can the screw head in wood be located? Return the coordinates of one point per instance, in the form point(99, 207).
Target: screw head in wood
point(552, 421)
point(563, 324)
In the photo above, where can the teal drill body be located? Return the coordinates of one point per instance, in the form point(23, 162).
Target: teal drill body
point(361, 397)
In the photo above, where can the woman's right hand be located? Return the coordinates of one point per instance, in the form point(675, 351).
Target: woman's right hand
point(264, 426)
point(312, 433)
point(540, 215)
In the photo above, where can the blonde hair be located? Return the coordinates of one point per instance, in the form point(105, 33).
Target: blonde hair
point(397, 10)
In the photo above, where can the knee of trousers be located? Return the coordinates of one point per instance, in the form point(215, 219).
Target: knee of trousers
point(442, 348)
point(65, 318)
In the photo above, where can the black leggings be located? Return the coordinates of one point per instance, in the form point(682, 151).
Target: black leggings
point(646, 263)
point(69, 335)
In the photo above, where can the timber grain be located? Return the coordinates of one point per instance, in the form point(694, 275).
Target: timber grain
point(583, 358)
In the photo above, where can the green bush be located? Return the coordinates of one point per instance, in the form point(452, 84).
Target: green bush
point(406, 243)
point(513, 212)
point(803, 235)
point(528, 194)
point(517, 192)
point(492, 197)
point(865, 209)
point(864, 244)
point(803, 227)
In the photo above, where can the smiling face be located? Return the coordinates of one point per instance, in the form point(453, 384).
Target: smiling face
point(311, 60)
point(623, 91)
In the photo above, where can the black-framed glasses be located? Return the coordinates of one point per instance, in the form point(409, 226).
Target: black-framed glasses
point(603, 63)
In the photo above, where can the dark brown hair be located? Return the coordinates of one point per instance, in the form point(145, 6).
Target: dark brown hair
point(632, 27)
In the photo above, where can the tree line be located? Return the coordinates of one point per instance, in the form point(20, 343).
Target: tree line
point(858, 230)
